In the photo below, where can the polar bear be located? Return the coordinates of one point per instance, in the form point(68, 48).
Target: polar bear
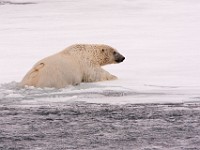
point(73, 65)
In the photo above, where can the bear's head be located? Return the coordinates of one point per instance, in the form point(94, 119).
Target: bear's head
point(96, 54)
point(108, 55)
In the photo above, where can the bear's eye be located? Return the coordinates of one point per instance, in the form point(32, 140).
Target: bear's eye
point(102, 50)
point(114, 53)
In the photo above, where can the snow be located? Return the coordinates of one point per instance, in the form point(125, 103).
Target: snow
point(160, 39)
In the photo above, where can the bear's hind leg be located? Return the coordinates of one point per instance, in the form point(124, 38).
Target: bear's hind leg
point(31, 78)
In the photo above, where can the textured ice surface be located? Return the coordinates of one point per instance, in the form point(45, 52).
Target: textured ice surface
point(85, 126)
point(11, 94)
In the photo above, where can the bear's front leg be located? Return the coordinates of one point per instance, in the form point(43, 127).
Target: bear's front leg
point(98, 74)
point(107, 76)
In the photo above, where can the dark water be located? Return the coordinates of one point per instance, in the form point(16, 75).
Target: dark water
point(2, 2)
point(87, 126)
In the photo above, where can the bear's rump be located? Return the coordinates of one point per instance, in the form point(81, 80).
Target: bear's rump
point(54, 71)
point(59, 74)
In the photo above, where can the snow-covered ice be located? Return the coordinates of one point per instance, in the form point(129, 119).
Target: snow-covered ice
point(160, 39)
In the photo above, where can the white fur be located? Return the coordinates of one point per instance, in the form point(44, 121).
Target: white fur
point(73, 65)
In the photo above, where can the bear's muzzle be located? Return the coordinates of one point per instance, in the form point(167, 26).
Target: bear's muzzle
point(119, 58)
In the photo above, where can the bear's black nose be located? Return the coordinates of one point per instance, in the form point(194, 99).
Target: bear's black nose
point(122, 59)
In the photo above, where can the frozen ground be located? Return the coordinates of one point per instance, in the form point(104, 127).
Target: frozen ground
point(160, 40)
point(153, 105)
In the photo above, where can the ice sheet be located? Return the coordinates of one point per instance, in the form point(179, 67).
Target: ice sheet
point(160, 40)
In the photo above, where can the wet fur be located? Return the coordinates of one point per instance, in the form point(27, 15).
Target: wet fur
point(75, 64)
